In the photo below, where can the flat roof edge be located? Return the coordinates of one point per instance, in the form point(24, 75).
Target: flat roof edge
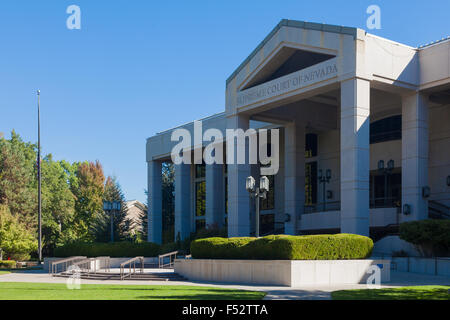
point(216, 115)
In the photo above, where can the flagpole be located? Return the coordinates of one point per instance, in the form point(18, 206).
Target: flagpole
point(39, 181)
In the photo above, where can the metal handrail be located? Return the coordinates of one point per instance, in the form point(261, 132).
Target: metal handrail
point(443, 210)
point(106, 263)
point(85, 265)
point(322, 207)
point(161, 257)
point(131, 262)
point(384, 202)
point(53, 265)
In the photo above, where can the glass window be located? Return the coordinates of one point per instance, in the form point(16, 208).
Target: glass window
point(310, 145)
point(226, 192)
point(269, 202)
point(386, 129)
point(310, 183)
point(266, 224)
point(200, 198)
point(385, 189)
point(200, 224)
point(200, 171)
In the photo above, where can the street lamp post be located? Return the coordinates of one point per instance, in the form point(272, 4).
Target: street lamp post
point(111, 207)
point(39, 180)
point(324, 180)
point(257, 193)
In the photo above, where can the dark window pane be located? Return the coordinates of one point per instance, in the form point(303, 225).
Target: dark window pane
point(200, 170)
point(310, 145)
point(269, 202)
point(386, 129)
point(200, 198)
point(310, 183)
point(226, 194)
point(385, 189)
point(200, 224)
point(266, 224)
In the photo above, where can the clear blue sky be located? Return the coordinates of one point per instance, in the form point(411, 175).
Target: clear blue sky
point(139, 67)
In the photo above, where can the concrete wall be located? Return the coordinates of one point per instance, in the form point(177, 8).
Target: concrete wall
point(439, 146)
point(431, 266)
point(281, 272)
point(435, 65)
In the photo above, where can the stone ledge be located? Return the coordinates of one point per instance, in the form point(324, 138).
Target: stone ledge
point(291, 273)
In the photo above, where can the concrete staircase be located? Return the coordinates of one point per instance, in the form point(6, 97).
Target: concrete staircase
point(148, 276)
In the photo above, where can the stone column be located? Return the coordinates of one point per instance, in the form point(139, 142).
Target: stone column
point(154, 201)
point(238, 197)
point(183, 219)
point(294, 175)
point(355, 155)
point(214, 195)
point(414, 155)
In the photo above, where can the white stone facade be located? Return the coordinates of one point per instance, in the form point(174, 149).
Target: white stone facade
point(366, 99)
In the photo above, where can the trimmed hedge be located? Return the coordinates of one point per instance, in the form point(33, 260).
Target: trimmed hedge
point(285, 247)
point(7, 264)
point(431, 237)
point(115, 249)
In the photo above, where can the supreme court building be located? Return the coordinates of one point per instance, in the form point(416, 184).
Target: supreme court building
point(371, 114)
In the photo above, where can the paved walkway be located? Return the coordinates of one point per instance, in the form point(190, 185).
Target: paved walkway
point(398, 279)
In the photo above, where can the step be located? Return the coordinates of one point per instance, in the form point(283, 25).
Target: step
point(155, 276)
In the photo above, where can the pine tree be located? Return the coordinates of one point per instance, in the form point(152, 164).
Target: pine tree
point(121, 225)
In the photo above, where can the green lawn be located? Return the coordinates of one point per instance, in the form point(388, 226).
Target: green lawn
point(4, 272)
point(405, 293)
point(58, 291)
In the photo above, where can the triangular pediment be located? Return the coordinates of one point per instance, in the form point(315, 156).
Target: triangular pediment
point(284, 61)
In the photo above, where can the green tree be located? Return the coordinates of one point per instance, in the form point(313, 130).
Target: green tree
point(15, 240)
point(88, 192)
point(121, 225)
point(58, 205)
point(18, 179)
point(143, 222)
point(168, 202)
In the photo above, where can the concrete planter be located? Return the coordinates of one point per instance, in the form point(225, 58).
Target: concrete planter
point(291, 273)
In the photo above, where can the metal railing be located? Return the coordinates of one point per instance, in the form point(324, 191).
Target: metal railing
point(393, 202)
point(323, 207)
point(104, 263)
point(62, 264)
point(438, 210)
point(385, 202)
point(83, 264)
point(131, 267)
point(170, 255)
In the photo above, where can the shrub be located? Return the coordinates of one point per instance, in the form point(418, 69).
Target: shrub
point(15, 240)
point(168, 247)
point(431, 237)
point(7, 264)
point(114, 249)
point(284, 247)
point(220, 248)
